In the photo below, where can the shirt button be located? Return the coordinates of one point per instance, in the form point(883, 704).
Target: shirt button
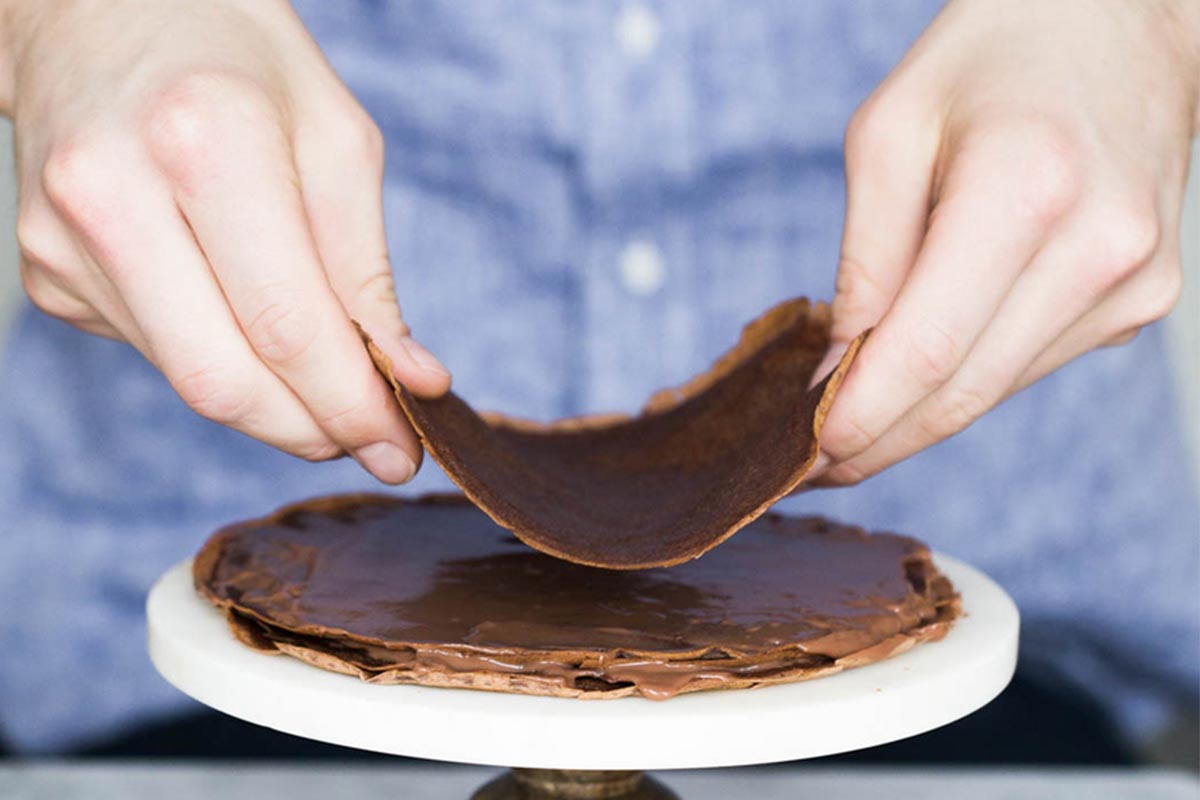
point(642, 269)
point(637, 30)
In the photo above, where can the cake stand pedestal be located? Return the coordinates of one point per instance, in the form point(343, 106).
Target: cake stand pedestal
point(564, 748)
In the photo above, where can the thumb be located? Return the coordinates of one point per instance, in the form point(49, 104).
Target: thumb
point(376, 309)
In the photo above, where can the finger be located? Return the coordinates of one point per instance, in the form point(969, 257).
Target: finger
point(1070, 275)
point(95, 308)
point(138, 238)
point(1072, 279)
point(888, 169)
point(1145, 297)
point(196, 343)
point(61, 279)
point(341, 177)
point(992, 218)
point(56, 300)
point(230, 162)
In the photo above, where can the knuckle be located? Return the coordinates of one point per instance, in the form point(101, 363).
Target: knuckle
point(951, 410)
point(858, 295)
point(1164, 288)
point(49, 303)
point(215, 393)
point(1043, 158)
point(875, 129)
point(36, 239)
point(377, 289)
point(361, 139)
point(1125, 240)
point(1169, 290)
point(43, 249)
point(345, 135)
point(845, 437)
point(31, 279)
point(352, 420)
point(932, 355)
point(860, 137)
point(47, 298)
point(845, 475)
point(195, 115)
point(31, 282)
point(1052, 175)
point(75, 176)
point(280, 331)
point(868, 127)
point(1123, 338)
point(321, 450)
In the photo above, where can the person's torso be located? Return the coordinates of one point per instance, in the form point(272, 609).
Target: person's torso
point(585, 201)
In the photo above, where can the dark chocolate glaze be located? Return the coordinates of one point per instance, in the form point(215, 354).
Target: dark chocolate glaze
point(391, 586)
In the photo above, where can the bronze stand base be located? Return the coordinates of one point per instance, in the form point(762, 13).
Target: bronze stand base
point(573, 784)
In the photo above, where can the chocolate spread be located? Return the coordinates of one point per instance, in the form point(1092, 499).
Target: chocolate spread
point(434, 592)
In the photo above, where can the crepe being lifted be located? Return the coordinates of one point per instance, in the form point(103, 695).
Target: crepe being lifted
point(697, 464)
point(433, 592)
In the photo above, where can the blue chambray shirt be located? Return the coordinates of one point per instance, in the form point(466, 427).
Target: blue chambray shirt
point(585, 202)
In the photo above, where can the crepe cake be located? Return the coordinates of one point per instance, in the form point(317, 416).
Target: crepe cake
point(699, 462)
point(433, 592)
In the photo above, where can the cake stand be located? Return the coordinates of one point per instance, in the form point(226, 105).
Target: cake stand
point(566, 748)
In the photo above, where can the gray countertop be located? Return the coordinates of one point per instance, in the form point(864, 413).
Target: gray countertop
point(66, 780)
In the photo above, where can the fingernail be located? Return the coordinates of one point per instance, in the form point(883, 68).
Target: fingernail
point(387, 462)
point(422, 357)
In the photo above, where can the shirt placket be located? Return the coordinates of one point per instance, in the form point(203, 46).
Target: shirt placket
point(636, 318)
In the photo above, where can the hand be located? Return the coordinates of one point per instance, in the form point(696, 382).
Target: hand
point(1013, 201)
point(195, 180)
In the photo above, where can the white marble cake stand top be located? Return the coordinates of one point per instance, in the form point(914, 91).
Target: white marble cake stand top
point(926, 687)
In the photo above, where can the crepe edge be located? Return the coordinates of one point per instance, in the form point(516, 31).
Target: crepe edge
point(755, 335)
point(948, 607)
point(551, 687)
point(531, 684)
point(208, 558)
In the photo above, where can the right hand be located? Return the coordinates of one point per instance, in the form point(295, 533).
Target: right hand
point(195, 180)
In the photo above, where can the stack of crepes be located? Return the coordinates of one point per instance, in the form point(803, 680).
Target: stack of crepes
point(439, 592)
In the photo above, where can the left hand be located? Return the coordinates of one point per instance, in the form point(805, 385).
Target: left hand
point(1013, 201)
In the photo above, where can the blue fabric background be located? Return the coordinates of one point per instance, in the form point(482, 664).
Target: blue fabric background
point(526, 150)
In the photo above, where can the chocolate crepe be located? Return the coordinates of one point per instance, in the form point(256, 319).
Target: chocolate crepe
point(697, 464)
point(433, 592)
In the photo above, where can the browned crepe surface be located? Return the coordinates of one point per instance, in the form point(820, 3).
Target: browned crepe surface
point(433, 592)
point(697, 464)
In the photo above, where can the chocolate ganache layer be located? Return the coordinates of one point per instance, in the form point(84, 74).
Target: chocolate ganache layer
point(434, 592)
